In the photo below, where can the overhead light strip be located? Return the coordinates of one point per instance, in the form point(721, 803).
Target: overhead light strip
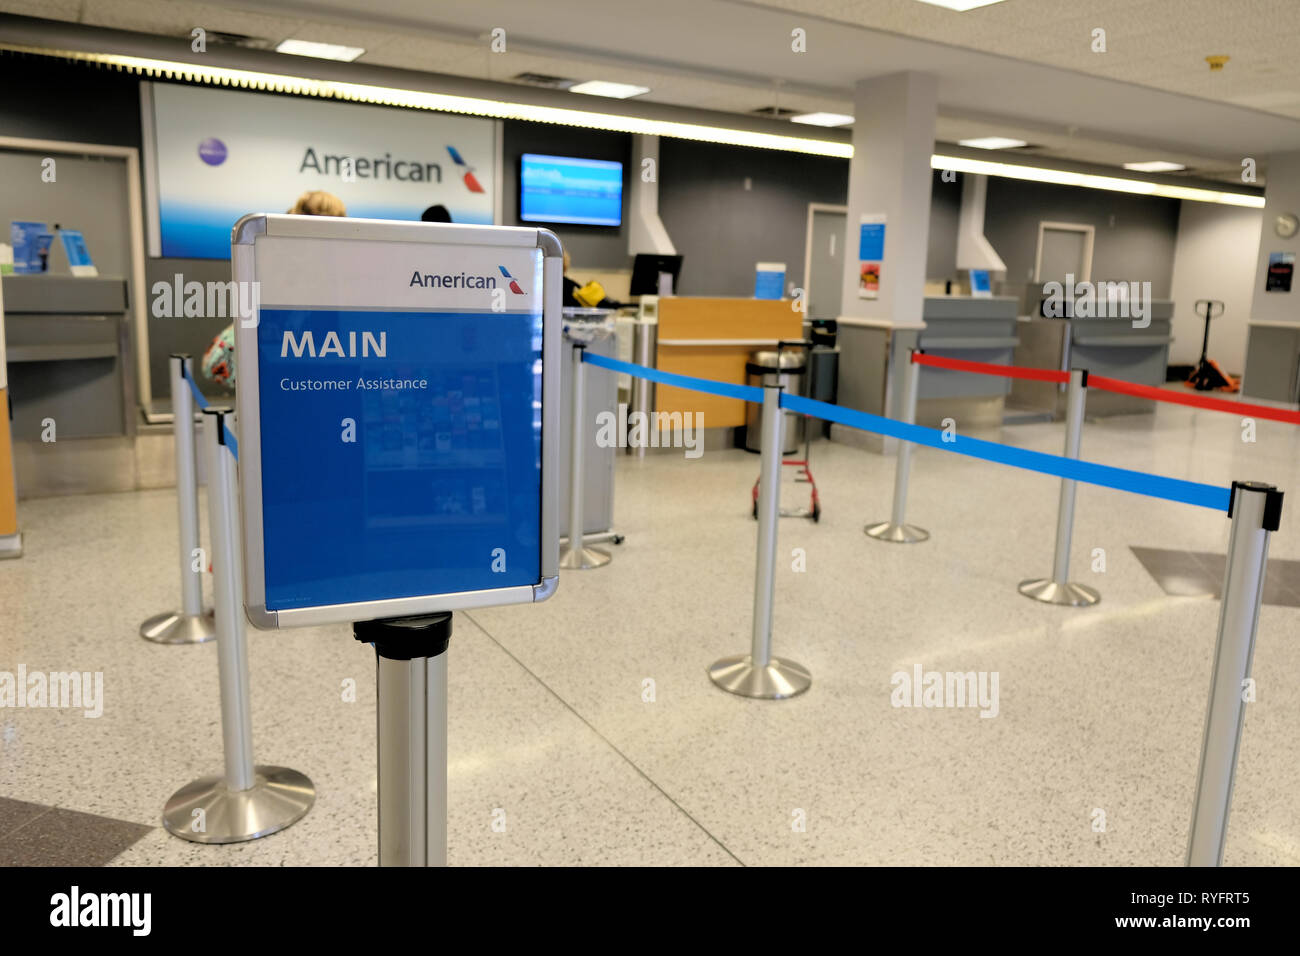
point(445, 102)
point(1064, 177)
point(499, 109)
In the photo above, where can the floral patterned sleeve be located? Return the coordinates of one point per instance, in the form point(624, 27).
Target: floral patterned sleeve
point(219, 359)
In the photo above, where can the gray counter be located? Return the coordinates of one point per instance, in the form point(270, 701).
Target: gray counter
point(873, 355)
point(1273, 362)
point(69, 359)
point(1110, 347)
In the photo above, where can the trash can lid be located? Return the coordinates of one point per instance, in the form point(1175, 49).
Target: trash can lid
point(772, 361)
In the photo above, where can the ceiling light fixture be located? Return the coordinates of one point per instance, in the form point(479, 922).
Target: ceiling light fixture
point(961, 6)
point(498, 109)
point(1063, 177)
point(445, 102)
point(992, 142)
point(322, 51)
point(1155, 166)
point(618, 91)
point(822, 119)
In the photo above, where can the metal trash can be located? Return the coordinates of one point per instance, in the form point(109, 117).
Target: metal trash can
point(771, 368)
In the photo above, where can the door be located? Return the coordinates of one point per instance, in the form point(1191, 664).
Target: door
point(1064, 248)
point(824, 274)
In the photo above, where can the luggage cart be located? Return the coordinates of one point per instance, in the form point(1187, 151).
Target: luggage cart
point(803, 468)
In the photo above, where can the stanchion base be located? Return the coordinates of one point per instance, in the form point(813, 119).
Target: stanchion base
point(779, 679)
point(278, 798)
point(1067, 595)
point(177, 628)
point(583, 559)
point(896, 533)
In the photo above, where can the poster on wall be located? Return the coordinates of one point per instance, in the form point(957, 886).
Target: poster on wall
point(1281, 268)
point(215, 155)
point(871, 254)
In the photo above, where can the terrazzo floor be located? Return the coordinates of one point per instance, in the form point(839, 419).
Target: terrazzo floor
point(589, 727)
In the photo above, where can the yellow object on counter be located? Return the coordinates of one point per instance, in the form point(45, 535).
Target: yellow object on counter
point(590, 295)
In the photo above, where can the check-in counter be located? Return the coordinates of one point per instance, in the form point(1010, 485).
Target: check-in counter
point(713, 338)
point(1273, 362)
point(874, 354)
point(1110, 347)
point(974, 329)
point(68, 356)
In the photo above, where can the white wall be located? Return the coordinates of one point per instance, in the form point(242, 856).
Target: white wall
point(1214, 258)
point(1281, 195)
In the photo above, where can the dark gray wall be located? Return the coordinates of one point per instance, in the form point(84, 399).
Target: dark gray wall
point(945, 212)
point(590, 247)
point(54, 99)
point(721, 229)
point(1135, 235)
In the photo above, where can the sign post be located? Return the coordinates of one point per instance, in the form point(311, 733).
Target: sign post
point(399, 418)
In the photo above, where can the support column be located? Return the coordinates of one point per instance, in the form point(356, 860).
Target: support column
point(889, 176)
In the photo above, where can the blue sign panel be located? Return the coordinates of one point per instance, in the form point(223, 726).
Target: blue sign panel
point(400, 452)
point(871, 241)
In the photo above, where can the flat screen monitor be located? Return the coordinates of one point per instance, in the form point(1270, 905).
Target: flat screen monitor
point(645, 272)
point(564, 189)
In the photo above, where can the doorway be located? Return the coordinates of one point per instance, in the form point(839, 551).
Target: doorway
point(824, 260)
point(1064, 248)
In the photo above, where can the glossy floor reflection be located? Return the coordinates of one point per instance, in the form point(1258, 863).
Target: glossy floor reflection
point(586, 730)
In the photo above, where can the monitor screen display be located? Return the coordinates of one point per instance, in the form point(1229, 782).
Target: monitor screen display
point(560, 189)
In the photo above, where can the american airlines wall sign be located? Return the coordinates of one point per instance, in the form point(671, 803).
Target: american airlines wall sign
point(215, 155)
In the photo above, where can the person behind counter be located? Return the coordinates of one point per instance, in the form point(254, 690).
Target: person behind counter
point(219, 360)
point(590, 296)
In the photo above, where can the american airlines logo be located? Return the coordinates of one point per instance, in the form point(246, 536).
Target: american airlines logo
point(463, 280)
point(305, 345)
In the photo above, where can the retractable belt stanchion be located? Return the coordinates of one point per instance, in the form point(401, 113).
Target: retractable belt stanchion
point(191, 624)
point(896, 529)
point(644, 336)
point(411, 702)
point(1059, 589)
point(759, 674)
point(248, 801)
point(1256, 510)
point(576, 556)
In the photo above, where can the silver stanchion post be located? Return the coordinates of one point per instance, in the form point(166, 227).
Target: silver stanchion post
point(1059, 589)
point(758, 673)
point(644, 336)
point(248, 801)
point(411, 703)
point(191, 624)
point(896, 529)
point(576, 556)
point(1256, 510)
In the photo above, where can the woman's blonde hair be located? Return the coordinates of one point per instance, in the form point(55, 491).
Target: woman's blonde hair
point(317, 202)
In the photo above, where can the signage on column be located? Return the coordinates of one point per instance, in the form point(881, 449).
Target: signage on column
point(398, 417)
point(871, 254)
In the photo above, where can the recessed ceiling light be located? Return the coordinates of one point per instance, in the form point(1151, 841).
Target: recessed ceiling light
point(961, 6)
point(619, 91)
point(992, 142)
point(822, 119)
point(323, 51)
point(1155, 166)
